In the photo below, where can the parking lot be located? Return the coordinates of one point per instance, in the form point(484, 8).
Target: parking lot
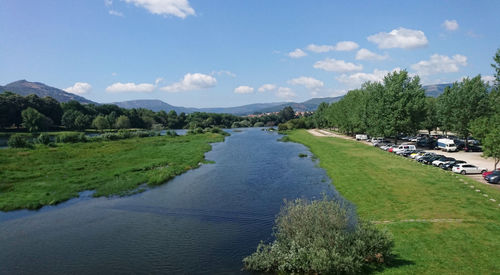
point(474, 158)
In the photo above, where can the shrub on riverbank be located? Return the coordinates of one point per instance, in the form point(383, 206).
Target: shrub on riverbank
point(18, 141)
point(71, 138)
point(43, 139)
point(317, 237)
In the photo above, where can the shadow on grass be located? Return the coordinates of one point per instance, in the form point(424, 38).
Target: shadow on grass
point(394, 262)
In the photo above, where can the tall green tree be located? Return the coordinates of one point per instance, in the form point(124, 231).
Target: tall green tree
point(286, 114)
point(100, 122)
point(404, 99)
point(431, 120)
point(469, 101)
point(34, 121)
point(496, 66)
point(122, 122)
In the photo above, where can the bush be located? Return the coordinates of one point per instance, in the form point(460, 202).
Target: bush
point(318, 237)
point(171, 133)
point(71, 138)
point(18, 141)
point(43, 139)
point(259, 124)
point(282, 127)
point(111, 136)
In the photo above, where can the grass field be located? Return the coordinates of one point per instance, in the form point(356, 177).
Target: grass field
point(31, 178)
point(440, 223)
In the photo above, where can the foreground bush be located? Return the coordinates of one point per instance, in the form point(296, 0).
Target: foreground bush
point(18, 141)
point(317, 237)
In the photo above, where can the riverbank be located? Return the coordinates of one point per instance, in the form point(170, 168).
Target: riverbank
point(441, 223)
point(32, 178)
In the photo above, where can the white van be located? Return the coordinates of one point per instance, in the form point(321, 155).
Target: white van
point(361, 137)
point(404, 148)
point(447, 145)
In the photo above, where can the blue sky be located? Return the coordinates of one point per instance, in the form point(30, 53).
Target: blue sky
point(218, 53)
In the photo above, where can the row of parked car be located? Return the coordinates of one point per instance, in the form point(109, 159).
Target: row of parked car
point(438, 160)
point(445, 143)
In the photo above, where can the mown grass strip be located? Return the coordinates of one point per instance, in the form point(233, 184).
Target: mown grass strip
point(45, 175)
point(385, 187)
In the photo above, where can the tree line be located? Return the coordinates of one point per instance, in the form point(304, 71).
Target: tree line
point(37, 114)
point(398, 106)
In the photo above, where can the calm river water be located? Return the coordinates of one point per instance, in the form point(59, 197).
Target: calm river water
point(204, 221)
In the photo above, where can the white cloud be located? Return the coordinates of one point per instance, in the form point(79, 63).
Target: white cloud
point(243, 90)
point(308, 82)
point(267, 87)
point(285, 93)
point(450, 25)
point(440, 64)
point(364, 54)
point(340, 46)
point(357, 79)
point(114, 74)
point(191, 82)
point(179, 8)
point(332, 65)
point(298, 53)
point(119, 87)
point(223, 72)
point(399, 38)
point(320, 48)
point(488, 79)
point(346, 46)
point(108, 3)
point(79, 88)
point(115, 13)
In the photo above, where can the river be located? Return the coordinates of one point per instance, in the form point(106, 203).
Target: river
point(204, 221)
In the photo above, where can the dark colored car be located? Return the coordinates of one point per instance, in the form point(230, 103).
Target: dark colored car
point(449, 165)
point(472, 148)
point(493, 177)
point(489, 172)
point(431, 159)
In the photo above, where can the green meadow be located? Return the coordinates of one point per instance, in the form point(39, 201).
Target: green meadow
point(439, 221)
point(32, 178)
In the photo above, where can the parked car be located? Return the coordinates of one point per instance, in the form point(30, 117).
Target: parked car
point(465, 168)
point(449, 165)
point(447, 145)
point(407, 153)
point(441, 161)
point(417, 153)
point(404, 148)
point(377, 141)
point(361, 137)
point(494, 177)
point(426, 155)
point(429, 160)
point(489, 172)
point(472, 148)
point(391, 149)
point(386, 146)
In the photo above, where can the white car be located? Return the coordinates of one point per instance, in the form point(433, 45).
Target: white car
point(442, 161)
point(465, 168)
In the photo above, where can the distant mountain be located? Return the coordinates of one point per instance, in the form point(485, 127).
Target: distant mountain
point(309, 105)
point(24, 88)
point(435, 90)
point(158, 105)
point(154, 105)
point(241, 110)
